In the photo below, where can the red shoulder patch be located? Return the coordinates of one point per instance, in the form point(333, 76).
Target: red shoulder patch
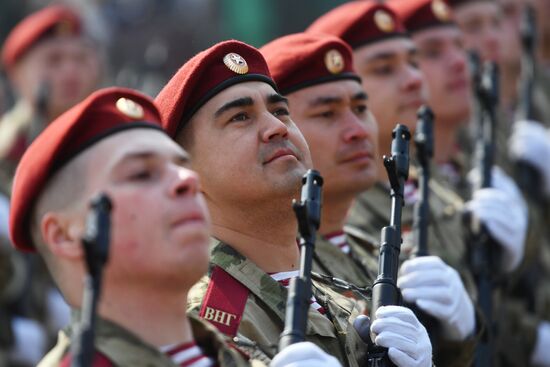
point(224, 302)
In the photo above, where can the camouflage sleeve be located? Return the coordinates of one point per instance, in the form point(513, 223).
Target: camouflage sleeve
point(517, 333)
point(461, 353)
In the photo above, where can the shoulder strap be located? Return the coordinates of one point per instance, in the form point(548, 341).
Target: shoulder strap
point(224, 302)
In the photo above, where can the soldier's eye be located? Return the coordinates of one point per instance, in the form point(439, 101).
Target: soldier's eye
point(281, 112)
point(141, 175)
point(241, 116)
point(360, 109)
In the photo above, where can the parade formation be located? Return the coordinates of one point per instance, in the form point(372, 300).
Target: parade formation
point(372, 190)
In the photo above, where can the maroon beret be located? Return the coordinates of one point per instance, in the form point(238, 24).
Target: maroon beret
point(48, 22)
point(102, 114)
point(359, 23)
point(205, 75)
point(301, 60)
point(421, 14)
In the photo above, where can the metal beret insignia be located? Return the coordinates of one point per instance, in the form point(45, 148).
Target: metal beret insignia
point(236, 63)
point(441, 10)
point(129, 108)
point(334, 61)
point(384, 21)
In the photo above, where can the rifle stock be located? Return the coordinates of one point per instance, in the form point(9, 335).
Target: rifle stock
point(308, 213)
point(384, 289)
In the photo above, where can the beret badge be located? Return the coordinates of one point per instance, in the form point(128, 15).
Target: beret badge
point(384, 21)
point(129, 108)
point(334, 61)
point(236, 63)
point(441, 10)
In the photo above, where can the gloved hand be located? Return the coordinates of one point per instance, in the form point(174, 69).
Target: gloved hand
point(437, 289)
point(530, 142)
point(500, 180)
point(506, 220)
point(304, 354)
point(398, 329)
point(541, 353)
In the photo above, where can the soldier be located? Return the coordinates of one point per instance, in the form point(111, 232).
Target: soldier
point(51, 65)
point(315, 72)
point(224, 108)
point(142, 313)
point(442, 59)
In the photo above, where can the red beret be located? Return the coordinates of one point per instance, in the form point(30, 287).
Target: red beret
point(359, 23)
point(420, 14)
point(50, 21)
point(304, 59)
point(205, 75)
point(102, 114)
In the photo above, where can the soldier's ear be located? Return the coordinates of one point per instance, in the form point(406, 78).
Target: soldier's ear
point(62, 235)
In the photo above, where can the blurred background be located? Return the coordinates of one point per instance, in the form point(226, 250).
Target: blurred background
point(146, 41)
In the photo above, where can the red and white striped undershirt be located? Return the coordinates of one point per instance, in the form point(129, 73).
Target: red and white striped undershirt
point(188, 355)
point(339, 240)
point(284, 277)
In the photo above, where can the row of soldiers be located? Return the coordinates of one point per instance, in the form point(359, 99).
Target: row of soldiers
point(248, 123)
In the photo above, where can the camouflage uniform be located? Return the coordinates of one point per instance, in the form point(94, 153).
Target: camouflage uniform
point(521, 299)
point(370, 214)
point(123, 348)
point(264, 313)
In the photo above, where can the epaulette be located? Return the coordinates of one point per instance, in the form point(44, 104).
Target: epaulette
point(342, 285)
point(224, 302)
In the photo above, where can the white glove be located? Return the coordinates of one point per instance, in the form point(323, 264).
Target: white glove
point(530, 142)
point(541, 353)
point(506, 221)
point(500, 180)
point(398, 329)
point(437, 289)
point(304, 354)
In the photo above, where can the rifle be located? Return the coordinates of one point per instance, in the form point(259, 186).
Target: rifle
point(481, 249)
point(529, 179)
point(423, 141)
point(96, 248)
point(308, 213)
point(384, 289)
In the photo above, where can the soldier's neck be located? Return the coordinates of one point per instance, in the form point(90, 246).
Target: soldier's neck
point(335, 211)
point(267, 238)
point(159, 318)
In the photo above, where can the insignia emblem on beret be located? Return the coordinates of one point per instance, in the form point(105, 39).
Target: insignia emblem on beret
point(236, 63)
point(384, 21)
point(129, 108)
point(441, 10)
point(334, 61)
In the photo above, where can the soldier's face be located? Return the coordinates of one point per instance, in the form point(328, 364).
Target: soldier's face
point(481, 24)
point(443, 61)
point(160, 225)
point(245, 146)
point(341, 133)
point(510, 31)
point(69, 66)
point(391, 78)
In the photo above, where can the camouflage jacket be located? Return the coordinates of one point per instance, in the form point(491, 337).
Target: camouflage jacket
point(263, 317)
point(123, 348)
point(371, 212)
